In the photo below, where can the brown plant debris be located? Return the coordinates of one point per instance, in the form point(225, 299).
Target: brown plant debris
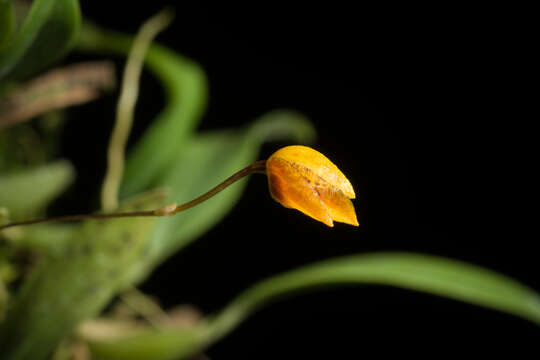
point(59, 88)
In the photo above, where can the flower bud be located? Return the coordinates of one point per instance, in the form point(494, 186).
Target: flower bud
point(304, 179)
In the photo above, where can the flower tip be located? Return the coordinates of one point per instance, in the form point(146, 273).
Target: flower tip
point(354, 223)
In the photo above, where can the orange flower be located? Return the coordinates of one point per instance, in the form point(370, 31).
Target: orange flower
point(304, 179)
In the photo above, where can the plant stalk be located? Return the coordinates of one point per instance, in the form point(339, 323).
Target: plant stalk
point(126, 107)
point(168, 210)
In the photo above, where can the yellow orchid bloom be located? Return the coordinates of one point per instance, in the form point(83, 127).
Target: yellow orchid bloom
point(302, 178)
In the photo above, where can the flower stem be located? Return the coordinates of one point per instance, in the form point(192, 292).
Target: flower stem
point(168, 210)
point(257, 167)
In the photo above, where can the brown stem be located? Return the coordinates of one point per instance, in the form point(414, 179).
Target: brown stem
point(257, 167)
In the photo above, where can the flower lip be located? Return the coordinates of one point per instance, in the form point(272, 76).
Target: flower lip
point(301, 178)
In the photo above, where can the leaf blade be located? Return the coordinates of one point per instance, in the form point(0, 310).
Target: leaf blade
point(21, 195)
point(47, 33)
point(7, 23)
point(430, 274)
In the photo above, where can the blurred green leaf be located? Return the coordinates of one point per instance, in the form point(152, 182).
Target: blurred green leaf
point(7, 23)
point(152, 345)
point(434, 275)
point(46, 34)
point(47, 239)
point(207, 160)
point(186, 91)
point(35, 19)
point(26, 192)
point(65, 290)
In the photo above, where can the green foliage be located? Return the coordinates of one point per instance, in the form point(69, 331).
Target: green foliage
point(429, 274)
point(163, 345)
point(7, 23)
point(67, 289)
point(48, 31)
point(48, 240)
point(27, 192)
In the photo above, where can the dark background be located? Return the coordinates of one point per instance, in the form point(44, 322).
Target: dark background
point(407, 102)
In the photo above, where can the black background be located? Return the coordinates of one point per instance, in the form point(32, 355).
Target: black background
point(407, 102)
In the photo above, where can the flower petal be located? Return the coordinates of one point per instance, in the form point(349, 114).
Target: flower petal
point(292, 190)
point(338, 204)
point(318, 164)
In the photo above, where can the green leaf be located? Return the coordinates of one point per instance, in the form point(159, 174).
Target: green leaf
point(207, 160)
point(65, 290)
point(151, 345)
point(26, 192)
point(430, 274)
point(46, 34)
point(46, 239)
point(7, 23)
point(435, 275)
point(186, 91)
point(36, 18)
